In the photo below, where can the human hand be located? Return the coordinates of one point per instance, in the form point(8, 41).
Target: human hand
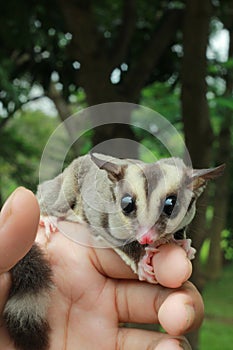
point(95, 290)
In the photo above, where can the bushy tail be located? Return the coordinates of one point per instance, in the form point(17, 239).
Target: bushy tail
point(26, 309)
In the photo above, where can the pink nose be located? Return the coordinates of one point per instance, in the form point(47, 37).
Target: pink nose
point(146, 239)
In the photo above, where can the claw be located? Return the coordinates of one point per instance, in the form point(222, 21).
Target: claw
point(49, 223)
point(186, 245)
point(145, 268)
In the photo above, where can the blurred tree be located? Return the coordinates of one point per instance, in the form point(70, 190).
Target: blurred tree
point(199, 134)
point(88, 52)
point(223, 153)
point(22, 143)
point(111, 50)
point(195, 110)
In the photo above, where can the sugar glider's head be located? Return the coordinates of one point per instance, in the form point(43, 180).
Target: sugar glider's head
point(153, 200)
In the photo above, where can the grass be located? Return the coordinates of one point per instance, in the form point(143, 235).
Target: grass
point(217, 329)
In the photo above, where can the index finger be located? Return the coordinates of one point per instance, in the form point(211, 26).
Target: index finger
point(19, 220)
point(177, 310)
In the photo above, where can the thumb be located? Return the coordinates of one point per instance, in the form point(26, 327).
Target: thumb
point(18, 226)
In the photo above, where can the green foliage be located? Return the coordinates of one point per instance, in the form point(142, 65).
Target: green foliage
point(216, 331)
point(221, 108)
point(216, 335)
point(204, 252)
point(224, 102)
point(33, 46)
point(163, 99)
point(227, 244)
point(22, 143)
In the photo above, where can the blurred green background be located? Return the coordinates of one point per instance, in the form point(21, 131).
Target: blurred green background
point(176, 57)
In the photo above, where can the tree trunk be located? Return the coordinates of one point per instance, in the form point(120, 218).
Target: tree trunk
point(221, 197)
point(195, 112)
point(98, 60)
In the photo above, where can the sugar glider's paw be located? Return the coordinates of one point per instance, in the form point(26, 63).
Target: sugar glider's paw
point(145, 267)
point(49, 223)
point(186, 244)
point(25, 313)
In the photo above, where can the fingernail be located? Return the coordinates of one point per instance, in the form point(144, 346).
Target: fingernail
point(190, 312)
point(185, 345)
point(173, 344)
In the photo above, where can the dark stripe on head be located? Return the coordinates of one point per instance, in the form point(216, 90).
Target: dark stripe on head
point(113, 194)
point(152, 174)
point(145, 184)
point(109, 233)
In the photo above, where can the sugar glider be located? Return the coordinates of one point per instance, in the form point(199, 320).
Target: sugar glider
point(134, 206)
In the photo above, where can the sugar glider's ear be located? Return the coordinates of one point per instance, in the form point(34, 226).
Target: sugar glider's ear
point(199, 177)
point(115, 171)
point(57, 196)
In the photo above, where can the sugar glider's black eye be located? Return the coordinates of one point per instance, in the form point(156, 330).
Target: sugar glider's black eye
point(169, 204)
point(128, 204)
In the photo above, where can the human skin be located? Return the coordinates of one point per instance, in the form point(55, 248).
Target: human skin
point(95, 290)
